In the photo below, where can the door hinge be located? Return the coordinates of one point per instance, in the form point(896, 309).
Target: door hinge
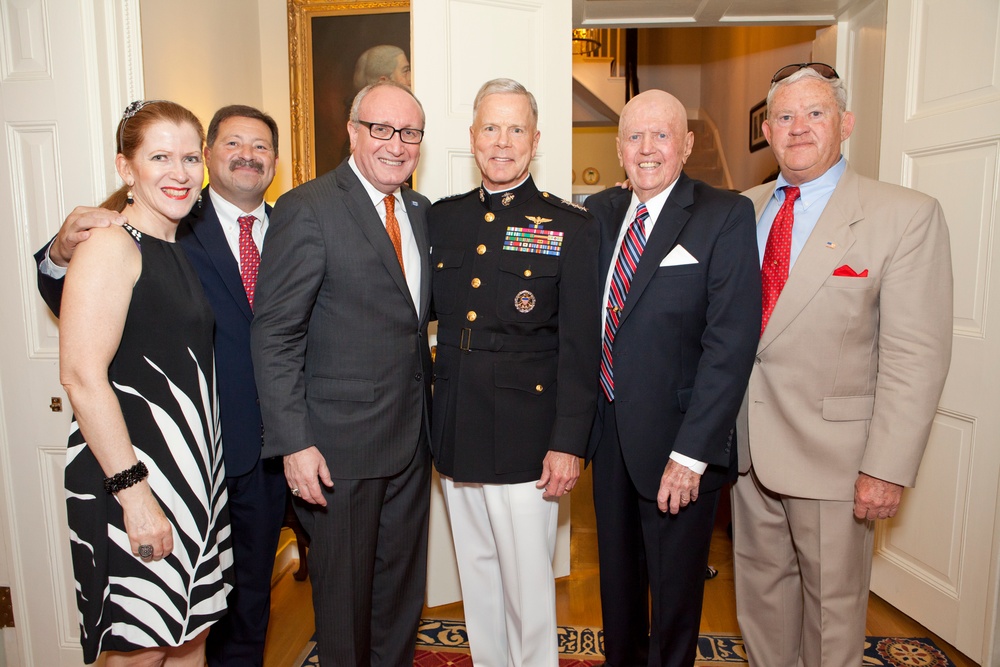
point(6, 608)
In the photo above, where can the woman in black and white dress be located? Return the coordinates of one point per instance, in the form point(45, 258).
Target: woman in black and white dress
point(145, 483)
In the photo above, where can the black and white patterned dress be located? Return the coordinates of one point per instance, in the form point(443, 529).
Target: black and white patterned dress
point(164, 377)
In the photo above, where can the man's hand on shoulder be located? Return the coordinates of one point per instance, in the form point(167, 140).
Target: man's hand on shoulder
point(76, 229)
point(875, 498)
point(678, 487)
point(305, 470)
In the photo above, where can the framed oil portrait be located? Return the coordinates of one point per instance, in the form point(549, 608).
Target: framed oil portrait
point(758, 114)
point(326, 39)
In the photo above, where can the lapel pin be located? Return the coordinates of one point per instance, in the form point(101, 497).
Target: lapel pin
point(831, 245)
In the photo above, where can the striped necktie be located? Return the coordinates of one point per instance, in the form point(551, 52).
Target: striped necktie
point(628, 259)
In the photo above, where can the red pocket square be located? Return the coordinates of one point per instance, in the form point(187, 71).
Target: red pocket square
point(848, 272)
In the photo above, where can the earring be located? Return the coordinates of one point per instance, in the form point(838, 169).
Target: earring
point(129, 199)
point(199, 200)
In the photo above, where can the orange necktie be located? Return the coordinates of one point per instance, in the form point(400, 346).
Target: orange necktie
point(392, 227)
point(777, 255)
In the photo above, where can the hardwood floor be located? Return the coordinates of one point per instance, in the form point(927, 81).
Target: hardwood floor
point(578, 600)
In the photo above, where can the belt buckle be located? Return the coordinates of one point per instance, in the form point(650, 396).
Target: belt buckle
point(465, 340)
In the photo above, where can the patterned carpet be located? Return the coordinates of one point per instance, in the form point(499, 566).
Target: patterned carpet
point(445, 644)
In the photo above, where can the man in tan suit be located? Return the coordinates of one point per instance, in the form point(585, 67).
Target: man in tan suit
point(852, 359)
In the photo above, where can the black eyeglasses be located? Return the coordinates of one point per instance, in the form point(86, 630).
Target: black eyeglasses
point(822, 69)
point(407, 135)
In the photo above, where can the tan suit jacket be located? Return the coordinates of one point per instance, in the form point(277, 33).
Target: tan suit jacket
point(850, 369)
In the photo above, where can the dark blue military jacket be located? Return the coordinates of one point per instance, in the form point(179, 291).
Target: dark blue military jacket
point(515, 290)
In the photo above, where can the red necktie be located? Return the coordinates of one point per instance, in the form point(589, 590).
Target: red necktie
point(777, 255)
point(249, 256)
point(628, 259)
point(392, 227)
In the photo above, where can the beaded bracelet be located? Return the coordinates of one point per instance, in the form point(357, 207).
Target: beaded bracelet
point(126, 478)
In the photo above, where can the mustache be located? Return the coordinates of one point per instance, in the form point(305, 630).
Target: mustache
point(239, 163)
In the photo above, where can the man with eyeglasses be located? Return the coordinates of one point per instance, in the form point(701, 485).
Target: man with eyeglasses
point(854, 349)
point(340, 353)
point(515, 284)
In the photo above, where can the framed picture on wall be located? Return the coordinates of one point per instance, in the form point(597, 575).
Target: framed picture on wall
point(758, 114)
point(336, 47)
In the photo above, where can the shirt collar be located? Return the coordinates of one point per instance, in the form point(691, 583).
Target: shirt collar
point(653, 206)
point(226, 210)
point(816, 188)
point(500, 199)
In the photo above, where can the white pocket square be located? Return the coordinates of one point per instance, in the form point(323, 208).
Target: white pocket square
point(678, 256)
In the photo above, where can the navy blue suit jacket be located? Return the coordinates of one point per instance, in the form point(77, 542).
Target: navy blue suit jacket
point(688, 333)
point(204, 243)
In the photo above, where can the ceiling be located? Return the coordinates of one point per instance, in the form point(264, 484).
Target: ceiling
point(688, 13)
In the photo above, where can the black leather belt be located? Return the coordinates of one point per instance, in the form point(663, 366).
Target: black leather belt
point(468, 340)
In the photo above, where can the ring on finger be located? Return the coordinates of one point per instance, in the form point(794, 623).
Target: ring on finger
point(295, 492)
point(145, 551)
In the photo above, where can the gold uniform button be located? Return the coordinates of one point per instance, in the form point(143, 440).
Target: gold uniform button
point(527, 273)
point(471, 316)
point(545, 194)
point(476, 282)
point(489, 217)
point(481, 249)
point(440, 265)
point(539, 388)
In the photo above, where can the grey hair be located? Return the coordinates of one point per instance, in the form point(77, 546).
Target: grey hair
point(356, 105)
point(505, 86)
point(376, 62)
point(837, 87)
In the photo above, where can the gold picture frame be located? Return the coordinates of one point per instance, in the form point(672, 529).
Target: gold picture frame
point(335, 32)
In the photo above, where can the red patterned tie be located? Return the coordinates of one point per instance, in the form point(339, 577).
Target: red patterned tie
point(249, 256)
point(777, 255)
point(628, 259)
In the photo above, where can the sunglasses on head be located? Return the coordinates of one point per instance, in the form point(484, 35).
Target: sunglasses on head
point(822, 69)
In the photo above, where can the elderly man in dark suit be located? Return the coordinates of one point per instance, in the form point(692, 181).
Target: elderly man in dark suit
point(221, 238)
point(682, 296)
point(343, 369)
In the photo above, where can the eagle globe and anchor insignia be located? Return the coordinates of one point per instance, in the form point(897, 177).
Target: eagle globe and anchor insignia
point(524, 301)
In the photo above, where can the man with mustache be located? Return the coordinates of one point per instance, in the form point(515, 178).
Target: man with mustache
point(222, 237)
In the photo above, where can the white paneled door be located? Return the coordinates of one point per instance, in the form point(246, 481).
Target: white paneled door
point(59, 79)
point(937, 561)
point(457, 46)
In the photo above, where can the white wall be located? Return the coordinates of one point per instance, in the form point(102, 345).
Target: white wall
point(206, 55)
point(738, 66)
point(677, 52)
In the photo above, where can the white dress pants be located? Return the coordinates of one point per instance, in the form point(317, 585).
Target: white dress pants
point(505, 537)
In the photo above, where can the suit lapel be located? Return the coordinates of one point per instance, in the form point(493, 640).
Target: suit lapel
point(823, 252)
point(367, 218)
point(609, 232)
point(669, 224)
point(207, 230)
point(418, 223)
